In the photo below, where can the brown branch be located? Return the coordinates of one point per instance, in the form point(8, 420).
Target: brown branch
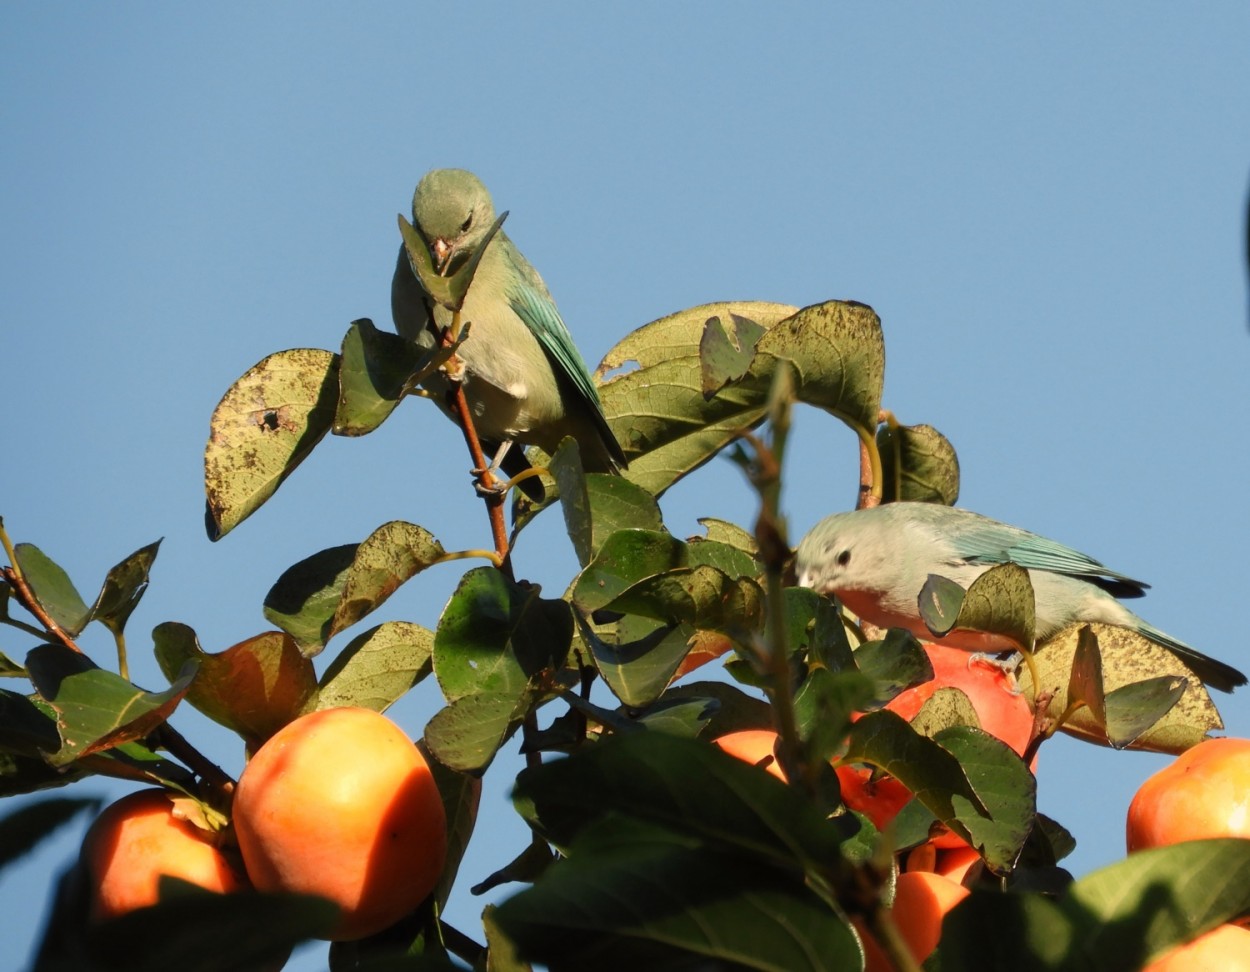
point(218, 780)
point(494, 500)
point(26, 598)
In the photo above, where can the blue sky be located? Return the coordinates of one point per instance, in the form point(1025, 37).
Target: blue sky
point(1046, 207)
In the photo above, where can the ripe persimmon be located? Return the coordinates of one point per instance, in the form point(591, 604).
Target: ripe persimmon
point(137, 840)
point(921, 901)
point(753, 746)
point(1204, 792)
point(340, 803)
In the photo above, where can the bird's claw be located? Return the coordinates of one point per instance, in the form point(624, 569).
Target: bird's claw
point(1007, 663)
point(497, 487)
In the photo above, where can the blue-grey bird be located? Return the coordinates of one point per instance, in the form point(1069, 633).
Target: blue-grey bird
point(877, 560)
point(524, 380)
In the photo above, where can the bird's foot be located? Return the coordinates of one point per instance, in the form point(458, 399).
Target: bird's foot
point(497, 486)
point(1006, 662)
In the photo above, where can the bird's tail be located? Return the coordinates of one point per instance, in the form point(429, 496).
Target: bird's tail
point(1212, 672)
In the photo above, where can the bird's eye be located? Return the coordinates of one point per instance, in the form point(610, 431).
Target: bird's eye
point(844, 558)
point(464, 227)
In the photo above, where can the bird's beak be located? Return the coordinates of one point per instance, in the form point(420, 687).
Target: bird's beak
point(442, 250)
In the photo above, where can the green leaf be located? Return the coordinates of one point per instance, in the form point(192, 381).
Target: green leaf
point(655, 406)
point(823, 706)
point(263, 427)
point(461, 795)
point(726, 349)
point(501, 951)
point(52, 588)
point(1126, 657)
point(917, 463)
point(895, 663)
point(999, 602)
point(193, 930)
point(123, 588)
point(497, 650)
point(1003, 785)
point(375, 371)
point(734, 708)
point(22, 829)
point(1085, 684)
point(303, 600)
point(96, 709)
point(9, 668)
point(27, 725)
point(637, 656)
point(1133, 709)
point(687, 786)
point(496, 636)
point(255, 687)
point(651, 574)
point(838, 355)
point(685, 717)
point(702, 597)
point(331, 590)
point(377, 667)
point(730, 535)
point(465, 734)
point(26, 774)
point(1116, 919)
point(933, 774)
point(633, 895)
point(596, 505)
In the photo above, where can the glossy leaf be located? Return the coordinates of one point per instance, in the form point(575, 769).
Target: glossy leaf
point(377, 667)
point(255, 687)
point(465, 734)
point(685, 785)
point(1133, 709)
point(884, 740)
point(655, 405)
point(683, 901)
point(96, 709)
point(596, 505)
point(197, 931)
point(461, 795)
point(497, 637)
point(895, 663)
point(262, 429)
point(726, 350)
point(123, 588)
point(375, 370)
point(1002, 783)
point(333, 589)
point(9, 668)
point(998, 602)
point(1125, 657)
point(1116, 919)
point(52, 588)
point(637, 656)
point(917, 463)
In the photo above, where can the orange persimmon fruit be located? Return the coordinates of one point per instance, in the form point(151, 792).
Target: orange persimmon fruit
point(340, 803)
point(137, 840)
point(1204, 792)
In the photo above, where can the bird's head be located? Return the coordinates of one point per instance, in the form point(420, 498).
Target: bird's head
point(453, 212)
point(846, 552)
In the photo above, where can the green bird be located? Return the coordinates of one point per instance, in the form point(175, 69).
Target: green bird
point(524, 380)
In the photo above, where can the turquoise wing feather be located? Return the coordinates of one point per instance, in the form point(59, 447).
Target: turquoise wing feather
point(531, 302)
point(987, 542)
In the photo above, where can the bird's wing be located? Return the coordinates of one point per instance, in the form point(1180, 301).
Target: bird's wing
point(529, 298)
point(986, 542)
